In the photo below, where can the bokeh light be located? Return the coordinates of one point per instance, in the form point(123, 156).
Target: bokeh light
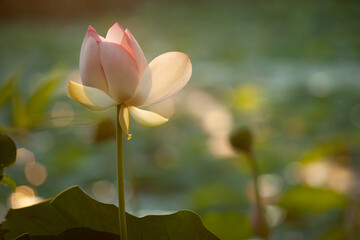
point(35, 173)
point(200, 102)
point(23, 196)
point(24, 156)
point(104, 191)
point(249, 97)
point(220, 146)
point(62, 114)
point(217, 121)
point(328, 174)
point(270, 185)
point(275, 215)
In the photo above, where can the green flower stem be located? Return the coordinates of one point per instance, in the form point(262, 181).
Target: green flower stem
point(120, 174)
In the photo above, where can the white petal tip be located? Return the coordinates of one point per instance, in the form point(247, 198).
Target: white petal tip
point(170, 72)
point(92, 98)
point(147, 118)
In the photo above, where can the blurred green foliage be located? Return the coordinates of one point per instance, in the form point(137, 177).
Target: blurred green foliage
point(287, 69)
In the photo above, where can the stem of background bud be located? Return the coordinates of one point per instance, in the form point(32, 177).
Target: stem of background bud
point(120, 174)
point(255, 176)
point(261, 228)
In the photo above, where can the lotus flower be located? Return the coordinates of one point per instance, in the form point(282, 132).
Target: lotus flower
point(114, 72)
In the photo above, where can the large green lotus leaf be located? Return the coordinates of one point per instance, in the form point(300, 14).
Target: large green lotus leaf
point(73, 208)
point(73, 233)
point(222, 224)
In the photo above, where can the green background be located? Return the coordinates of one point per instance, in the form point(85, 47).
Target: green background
point(289, 70)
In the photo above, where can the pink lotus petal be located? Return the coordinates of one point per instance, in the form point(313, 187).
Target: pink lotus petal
point(91, 71)
point(137, 51)
point(91, 32)
point(143, 89)
point(126, 44)
point(115, 34)
point(120, 71)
